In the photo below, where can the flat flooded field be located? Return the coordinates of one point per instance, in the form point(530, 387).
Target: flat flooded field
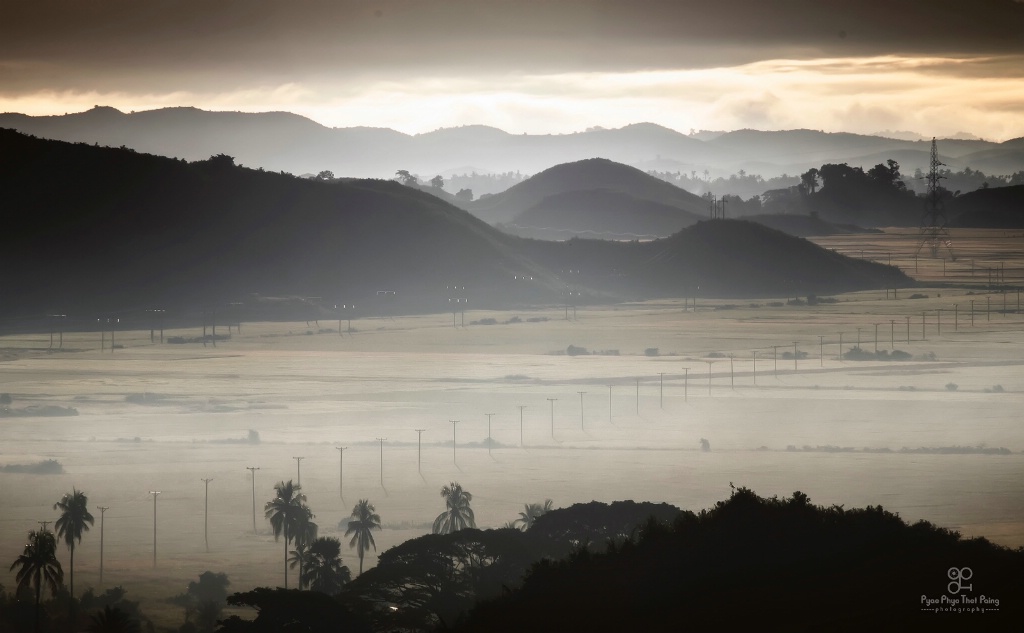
point(157, 417)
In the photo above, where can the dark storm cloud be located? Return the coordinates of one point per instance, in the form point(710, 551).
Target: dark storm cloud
point(163, 45)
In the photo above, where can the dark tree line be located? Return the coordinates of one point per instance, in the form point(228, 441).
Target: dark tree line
point(766, 564)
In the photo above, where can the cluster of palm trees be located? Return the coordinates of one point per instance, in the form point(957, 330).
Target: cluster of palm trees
point(37, 565)
point(318, 558)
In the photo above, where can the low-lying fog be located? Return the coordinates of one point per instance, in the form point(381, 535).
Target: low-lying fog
point(163, 417)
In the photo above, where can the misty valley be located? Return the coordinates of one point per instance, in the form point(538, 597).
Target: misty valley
point(660, 403)
point(237, 400)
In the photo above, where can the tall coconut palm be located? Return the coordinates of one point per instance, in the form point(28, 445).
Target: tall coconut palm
point(38, 566)
point(364, 520)
point(74, 521)
point(284, 512)
point(323, 570)
point(303, 532)
point(458, 514)
point(531, 512)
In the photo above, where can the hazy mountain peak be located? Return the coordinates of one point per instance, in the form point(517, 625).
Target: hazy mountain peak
point(102, 109)
point(467, 132)
point(582, 175)
point(648, 126)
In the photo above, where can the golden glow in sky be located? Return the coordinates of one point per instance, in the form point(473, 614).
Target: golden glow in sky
point(935, 68)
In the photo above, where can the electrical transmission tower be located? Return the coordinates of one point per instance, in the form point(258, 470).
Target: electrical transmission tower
point(934, 233)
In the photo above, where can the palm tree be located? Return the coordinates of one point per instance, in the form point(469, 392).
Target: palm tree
point(459, 515)
point(113, 620)
point(74, 521)
point(303, 533)
point(530, 513)
point(364, 520)
point(38, 565)
point(285, 511)
point(324, 571)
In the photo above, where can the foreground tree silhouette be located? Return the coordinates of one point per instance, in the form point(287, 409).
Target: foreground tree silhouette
point(324, 571)
point(285, 512)
point(113, 620)
point(38, 565)
point(281, 611)
point(530, 513)
point(364, 520)
point(458, 514)
point(74, 521)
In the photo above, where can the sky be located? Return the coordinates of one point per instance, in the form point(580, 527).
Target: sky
point(932, 67)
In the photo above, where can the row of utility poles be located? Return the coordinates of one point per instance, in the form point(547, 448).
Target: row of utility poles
point(661, 399)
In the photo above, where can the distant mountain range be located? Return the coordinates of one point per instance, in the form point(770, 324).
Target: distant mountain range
point(280, 141)
point(113, 231)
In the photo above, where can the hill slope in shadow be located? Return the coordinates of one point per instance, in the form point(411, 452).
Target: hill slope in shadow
point(103, 229)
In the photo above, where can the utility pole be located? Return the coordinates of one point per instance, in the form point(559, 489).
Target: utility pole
point(419, 450)
point(206, 515)
point(840, 347)
point(892, 334)
point(775, 359)
point(661, 392)
point(154, 493)
point(908, 330)
point(938, 321)
point(552, 401)
point(609, 404)
point(103, 510)
point(686, 380)
point(821, 350)
point(454, 422)
point(381, 440)
point(972, 312)
point(521, 407)
point(858, 338)
point(753, 366)
point(581, 408)
point(298, 470)
point(876, 339)
point(44, 524)
point(956, 317)
point(489, 442)
point(732, 373)
point(253, 469)
point(795, 355)
point(341, 470)
point(709, 362)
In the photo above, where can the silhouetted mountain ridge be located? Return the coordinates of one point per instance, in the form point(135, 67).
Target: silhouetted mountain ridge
point(280, 141)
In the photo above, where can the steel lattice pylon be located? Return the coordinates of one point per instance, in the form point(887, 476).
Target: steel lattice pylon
point(934, 233)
